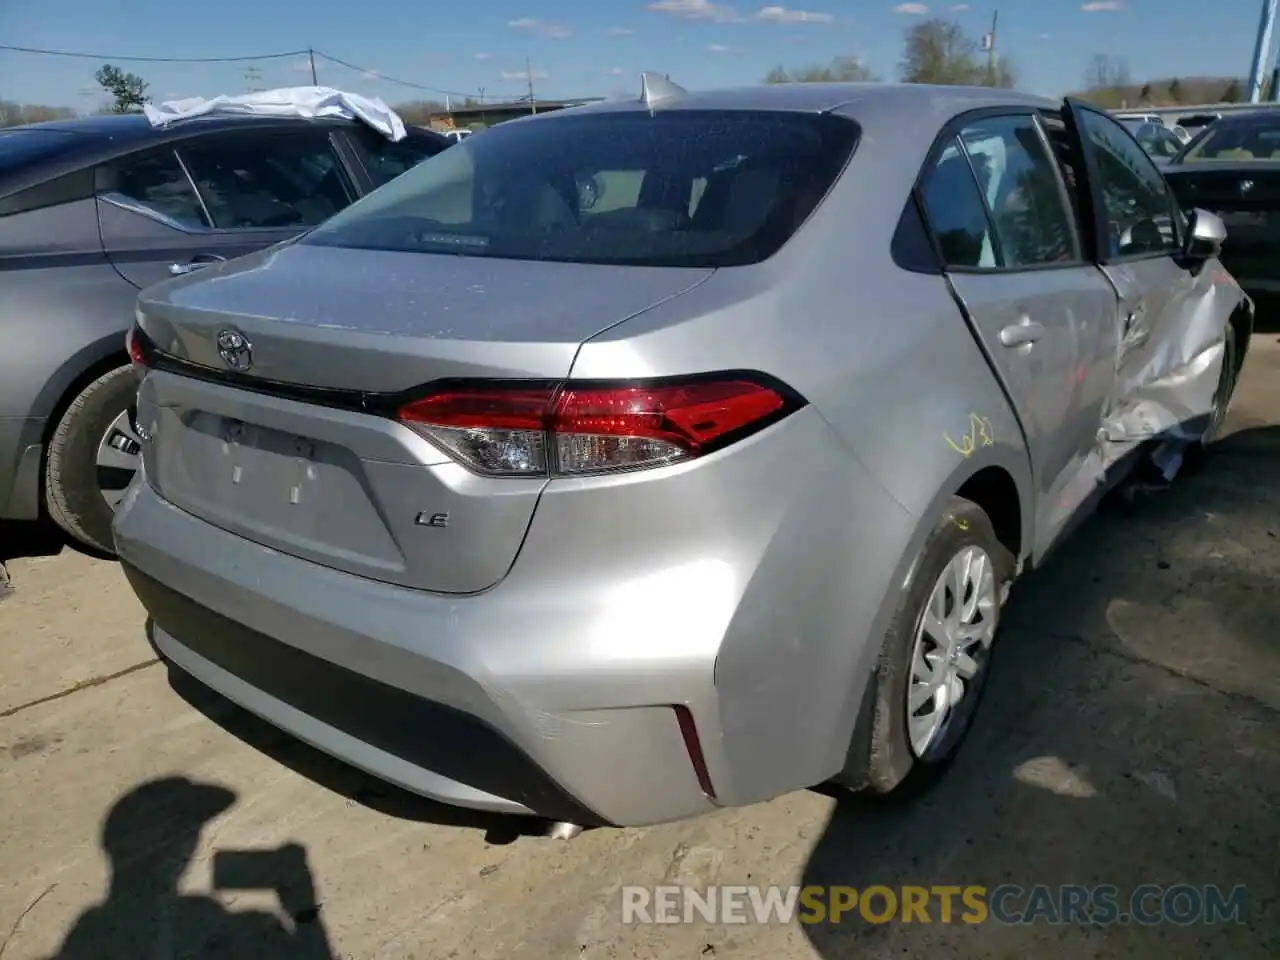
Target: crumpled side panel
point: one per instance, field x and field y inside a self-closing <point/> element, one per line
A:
<point x="1167" y="370"/>
<point x="306" y="102"/>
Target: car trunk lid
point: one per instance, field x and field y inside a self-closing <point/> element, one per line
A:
<point x="300" y="451"/>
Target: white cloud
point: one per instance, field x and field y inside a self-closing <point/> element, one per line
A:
<point x="619" y="31"/>
<point x="717" y="48"/>
<point x="304" y="65"/>
<point x="1043" y="36"/>
<point x="697" y="10"/>
<point x="784" y="15"/>
<point x="521" y="75"/>
<point x="911" y="9"/>
<point x="481" y="56"/>
<point x="371" y="75"/>
<point x="959" y="7"/>
<point x="616" y="72"/>
<point x="552" y="31"/>
<point x="1103" y="6"/>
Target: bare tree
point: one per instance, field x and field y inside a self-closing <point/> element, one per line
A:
<point x="13" y="114"/>
<point x="840" y="70"/>
<point x="1107" y="81"/>
<point x="939" y="51"/>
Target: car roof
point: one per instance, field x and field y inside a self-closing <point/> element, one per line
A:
<point x="97" y="139"/>
<point x="820" y="97"/>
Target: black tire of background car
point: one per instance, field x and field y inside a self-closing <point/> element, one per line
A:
<point x="72" y="496"/>
<point x="1226" y="386"/>
<point x="893" y="769"/>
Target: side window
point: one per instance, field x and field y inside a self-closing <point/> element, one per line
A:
<point x="386" y="160"/>
<point x="1135" y="197"/>
<point x="158" y="182"/>
<point x="1019" y="181"/>
<point x="954" y="208"/>
<point x="289" y="179"/>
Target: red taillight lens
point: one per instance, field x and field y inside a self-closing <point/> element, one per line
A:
<point x="579" y="429"/>
<point x="133" y="344"/>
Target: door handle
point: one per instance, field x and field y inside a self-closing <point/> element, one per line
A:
<point x="1021" y="334"/>
<point x="203" y="260"/>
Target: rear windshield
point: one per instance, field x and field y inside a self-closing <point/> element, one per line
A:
<point x="1252" y="138"/>
<point x="675" y="188"/>
<point x="20" y="148"/>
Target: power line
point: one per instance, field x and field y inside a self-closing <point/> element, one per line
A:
<point x="103" y="57"/>
<point x="382" y="76"/>
<point x="75" y="54"/>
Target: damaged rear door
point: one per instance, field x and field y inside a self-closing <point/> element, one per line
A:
<point x="1173" y="313"/>
<point x="1003" y="219"/>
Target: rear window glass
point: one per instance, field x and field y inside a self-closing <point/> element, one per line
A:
<point x="1257" y="138"/>
<point x="678" y="188"/>
<point x="20" y="148"/>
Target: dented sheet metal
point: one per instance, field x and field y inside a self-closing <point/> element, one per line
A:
<point x="1168" y="365"/>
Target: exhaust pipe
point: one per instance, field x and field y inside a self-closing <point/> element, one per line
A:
<point x="562" y="830"/>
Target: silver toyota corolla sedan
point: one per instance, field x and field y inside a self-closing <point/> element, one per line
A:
<point x="663" y="455"/>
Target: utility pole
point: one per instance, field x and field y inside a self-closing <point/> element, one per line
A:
<point x="482" y="96"/>
<point x="252" y="79"/>
<point x="528" y="69"/>
<point x="311" y="55"/>
<point x="1261" y="52"/>
<point x="989" y="41"/>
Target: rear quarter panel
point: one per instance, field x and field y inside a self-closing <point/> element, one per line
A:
<point x="64" y="308"/>
<point x="64" y="311"/>
<point x="888" y="360"/>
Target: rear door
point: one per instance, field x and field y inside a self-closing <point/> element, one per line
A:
<point x="1138" y="236"/>
<point x="173" y="209"/>
<point x="1005" y="226"/>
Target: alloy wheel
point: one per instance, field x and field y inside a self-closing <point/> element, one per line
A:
<point x="952" y="646"/>
<point x="118" y="458"/>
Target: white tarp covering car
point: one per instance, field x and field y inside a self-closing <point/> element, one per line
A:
<point x="306" y="102"/>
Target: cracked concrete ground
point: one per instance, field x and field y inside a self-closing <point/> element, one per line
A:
<point x="1129" y="736"/>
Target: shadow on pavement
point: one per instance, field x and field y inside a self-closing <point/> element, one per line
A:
<point x="1131" y="735"/>
<point x="341" y="778"/>
<point x="149" y="837"/>
<point x="35" y="539"/>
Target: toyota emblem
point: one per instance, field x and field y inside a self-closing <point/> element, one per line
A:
<point x="236" y="351"/>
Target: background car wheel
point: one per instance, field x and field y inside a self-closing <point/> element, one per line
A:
<point x="1226" y="386"/>
<point x="936" y="655"/>
<point x="92" y="457"/>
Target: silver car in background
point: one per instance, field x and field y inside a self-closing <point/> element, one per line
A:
<point x="657" y="456"/>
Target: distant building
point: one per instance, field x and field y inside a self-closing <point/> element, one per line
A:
<point x="488" y="114"/>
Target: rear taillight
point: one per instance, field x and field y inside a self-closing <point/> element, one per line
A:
<point x="133" y="344"/>
<point x="580" y="429"/>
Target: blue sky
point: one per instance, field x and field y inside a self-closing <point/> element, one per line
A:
<point x="581" y="48"/>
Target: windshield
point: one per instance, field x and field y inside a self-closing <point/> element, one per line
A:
<point x="1243" y="138"/>
<point x="675" y="188"/>
<point x="20" y="147"/>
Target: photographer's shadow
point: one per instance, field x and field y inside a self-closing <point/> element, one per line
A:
<point x="150" y="836"/>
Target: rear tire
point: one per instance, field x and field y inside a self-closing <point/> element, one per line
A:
<point x="87" y="464"/>
<point x="905" y="758"/>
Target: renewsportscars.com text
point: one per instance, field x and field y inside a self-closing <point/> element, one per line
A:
<point x="1102" y="904"/>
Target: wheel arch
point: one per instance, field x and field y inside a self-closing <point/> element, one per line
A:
<point x="999" y="481"/>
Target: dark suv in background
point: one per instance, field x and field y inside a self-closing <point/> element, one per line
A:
<point x="92" y="211"/>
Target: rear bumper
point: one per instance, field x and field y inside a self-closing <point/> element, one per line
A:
<point x="736" y="588"/>
<point x="404" y="685"/>
<point x="20" y="456"/>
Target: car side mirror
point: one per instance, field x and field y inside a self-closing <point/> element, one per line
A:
<point x="1206" y="233"/>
